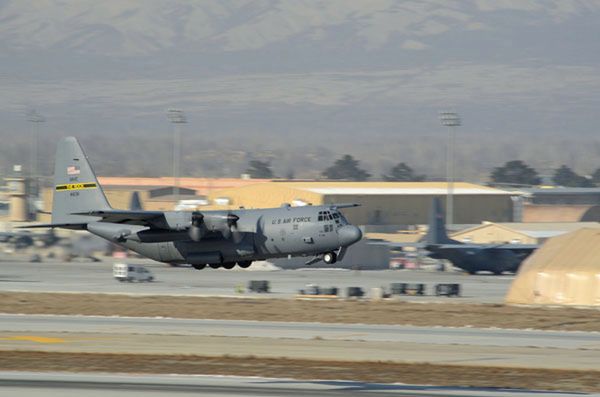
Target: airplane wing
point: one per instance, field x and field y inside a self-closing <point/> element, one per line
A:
<point x="397" y="244"/>
<point x="142" y="218"/>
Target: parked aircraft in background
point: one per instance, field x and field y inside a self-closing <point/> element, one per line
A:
<point x="495" y="258"/>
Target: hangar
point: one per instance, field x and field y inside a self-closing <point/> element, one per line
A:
<point x="383" y="203"/>
<point x="518" y="233"/>
<point x="564" y="271"/>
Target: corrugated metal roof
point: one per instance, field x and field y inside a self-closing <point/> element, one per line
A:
<point x="393" y="188"/>
<point x="532" y="227"/>
<point x="403" y="191"/>
<point x="561" y="190"/>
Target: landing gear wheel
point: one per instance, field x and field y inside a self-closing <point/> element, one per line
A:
<point x="199" y="266"/>
<point x="329" y="257"/>
<point x="229" y="265"/>
<point x="214" y="265"/>
<point x="244" y="264"/>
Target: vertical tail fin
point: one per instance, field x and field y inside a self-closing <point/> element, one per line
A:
<point x="76" y="188"/>
<point x="135" y="204"/>
<point x="436" y="233"/>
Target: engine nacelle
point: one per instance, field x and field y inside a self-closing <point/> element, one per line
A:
<point x="178" y="220"/>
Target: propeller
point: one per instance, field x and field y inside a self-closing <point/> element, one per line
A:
<point x="235" y="233"/>
<point x="230" y="229"/>
<point x="197" y="228"/>
<point x="225" y="224"/>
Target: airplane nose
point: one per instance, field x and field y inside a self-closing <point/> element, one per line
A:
<point x="348" y="235"/>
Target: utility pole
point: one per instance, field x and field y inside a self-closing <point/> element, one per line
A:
<point x="35" y="119"/>
<point x="451" y="120"/>
<point x="176" y="117"/>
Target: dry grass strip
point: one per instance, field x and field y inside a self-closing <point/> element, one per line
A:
<point x="376" y="372"/>
<point x="342" y="311"/>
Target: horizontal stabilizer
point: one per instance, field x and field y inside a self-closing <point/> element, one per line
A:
<point x="74" y="226"/>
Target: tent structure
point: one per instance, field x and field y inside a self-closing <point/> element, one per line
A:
<point x="564" y="271"/>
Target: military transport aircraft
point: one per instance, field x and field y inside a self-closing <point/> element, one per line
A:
<point x="495" y="258"/>
<point x="200" y="238"/>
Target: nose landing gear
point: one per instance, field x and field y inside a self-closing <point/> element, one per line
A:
<point x="330" y="257"/>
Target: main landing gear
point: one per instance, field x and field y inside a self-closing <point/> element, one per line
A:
<point x="226" y="265"/>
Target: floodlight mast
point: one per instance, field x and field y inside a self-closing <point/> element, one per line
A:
<point x="35" y="119"/>
<point x="451" y="120"/>
<point x="176" y="117"/>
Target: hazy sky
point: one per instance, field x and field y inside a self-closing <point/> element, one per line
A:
<point x="271" y="74"/>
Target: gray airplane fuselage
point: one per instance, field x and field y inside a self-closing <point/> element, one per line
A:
<point x="216" y="238"/>
<point x="263" y="234"/>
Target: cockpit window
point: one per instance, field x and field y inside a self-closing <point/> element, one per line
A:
<point x="342" y="219"/>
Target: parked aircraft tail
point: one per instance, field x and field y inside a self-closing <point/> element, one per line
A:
<point x="436" y="233"/>
<point x="135" y="204"/>
<point x="76" y="188"/>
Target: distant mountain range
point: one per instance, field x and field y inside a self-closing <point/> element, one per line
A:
<point x="270" y="75"/>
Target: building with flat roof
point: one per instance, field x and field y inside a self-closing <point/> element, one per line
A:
<point x="519" y="233"/>
<point x="202" y="186"/>
<point x="559" y="204"/>
<point x="382" y="203"/>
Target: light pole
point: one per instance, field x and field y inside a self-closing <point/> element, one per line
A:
<point x="35" y="119"/>
<point x="451" y="120"/>
<point x="176" y="117"/>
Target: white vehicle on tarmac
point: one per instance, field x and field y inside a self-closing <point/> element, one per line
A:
<point x="130" y="273"/>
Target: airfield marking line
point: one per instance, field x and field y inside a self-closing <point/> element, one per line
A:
<point x="34" y="338"/>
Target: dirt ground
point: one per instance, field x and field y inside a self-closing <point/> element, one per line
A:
<point x="339" y="311"/>
<point x="379" y="372"/>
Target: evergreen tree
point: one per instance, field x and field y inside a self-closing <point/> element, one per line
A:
<point x="516" y="172"/>
<point x="346" y="168"/>
<point x="401" y="172"/>
<point x="565" y="176"/>
<point x="259" y="169"/>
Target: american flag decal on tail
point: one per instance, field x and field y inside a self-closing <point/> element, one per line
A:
<point x="73" y="170"/>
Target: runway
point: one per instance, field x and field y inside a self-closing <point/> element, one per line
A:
<point x="97" y="277"/>
<point x="30" y="384"/>
<point x="290" y="330"/>
<point x="348" y="342"/>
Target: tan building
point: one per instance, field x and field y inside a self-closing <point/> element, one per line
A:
<point x="202" y="186"/>
<point x="561" y="213"/>
<point x="156" y="194"/>
<point x="493" y="233"/>
<point x="382" y="203"/>
<point x="153" y="198"/>
<point x="518" y="233"/>
<point x="564" y="271"/>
